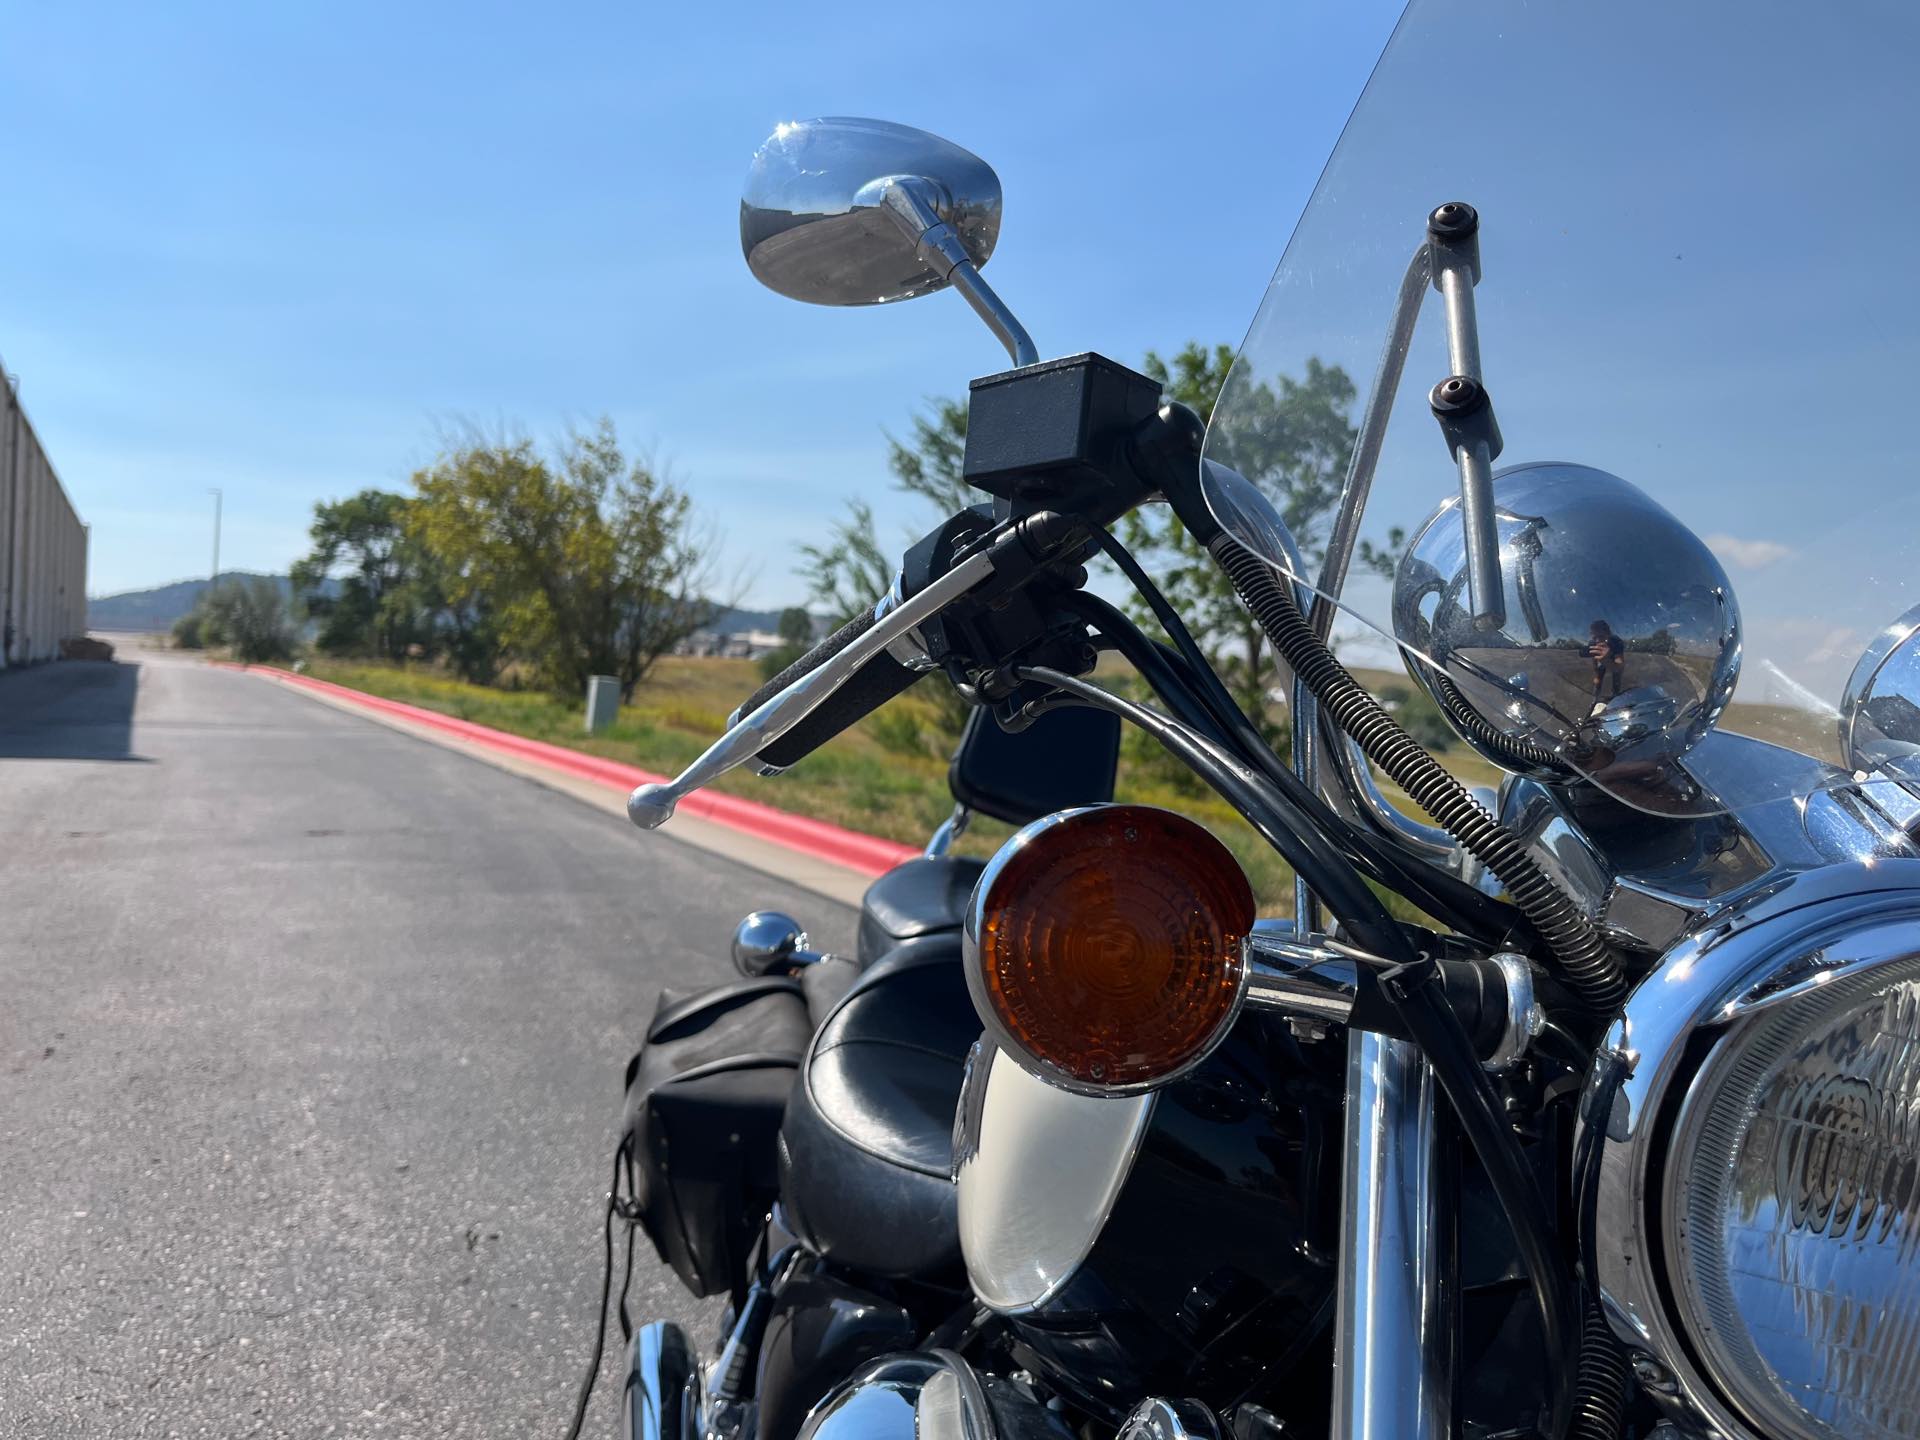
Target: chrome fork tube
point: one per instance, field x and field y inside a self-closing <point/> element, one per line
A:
<point x="1393" y="1369"/>
<point x="1393" y="1361"/>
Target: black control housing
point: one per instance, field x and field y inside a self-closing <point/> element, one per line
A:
<point x="1065" y="447"/>
<point x="1054" y="435"/>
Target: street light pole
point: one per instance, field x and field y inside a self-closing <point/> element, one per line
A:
<point x="214" y="584"/>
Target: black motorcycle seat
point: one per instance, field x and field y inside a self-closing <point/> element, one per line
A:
<point x="867" y="1141"/>
<point x="921" y="897"/>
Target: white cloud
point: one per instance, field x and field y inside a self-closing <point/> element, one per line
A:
<point x="1747" y="554"/>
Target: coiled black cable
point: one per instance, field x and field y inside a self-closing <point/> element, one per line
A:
<point x="1435" y="891"/>
<point x="1600" y="1410"/>
<point x="1585" y="962"/>
<point x="1409" y="987"/>
<point x="1436" y="1029"/>
<point x="1173" y="678"/>
<point x="1518" y="754"/>
<point x="1282" y="826"/>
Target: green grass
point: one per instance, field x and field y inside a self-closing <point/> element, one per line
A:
<point x="886" y="776"/>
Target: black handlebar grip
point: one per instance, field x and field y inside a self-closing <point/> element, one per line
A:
<point x="864" y="692"/>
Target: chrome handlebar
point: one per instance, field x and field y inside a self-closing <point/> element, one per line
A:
<point x="651" y="806"/>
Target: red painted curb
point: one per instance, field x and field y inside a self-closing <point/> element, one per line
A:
<point x="867" y="854"/>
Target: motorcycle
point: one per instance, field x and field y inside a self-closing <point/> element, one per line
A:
<point x="1621" y="1138"/>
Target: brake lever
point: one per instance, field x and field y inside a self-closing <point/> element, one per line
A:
<point x="651" y="806"/>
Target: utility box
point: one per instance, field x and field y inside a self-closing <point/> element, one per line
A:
<point x="1050" y="434"/>
<point x="603" y="702"/>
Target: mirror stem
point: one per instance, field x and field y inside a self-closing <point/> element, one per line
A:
<point x="991" y="308"/>
<point x="909" y="201"/>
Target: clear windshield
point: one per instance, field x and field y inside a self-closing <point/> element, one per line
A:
<point x="1697" y="227"/>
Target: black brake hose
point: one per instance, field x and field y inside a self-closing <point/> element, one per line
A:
<point x="1582" y="1372"/>
<point x="1583" y="957"/>
<point x="1409" y="987"/>
<point x="1170" y="620"/>
<point x="1438" y="893"/>
<point x="1168" y="675"/>
<point x="1436" y="1029"/>
<point x="1279" y="824"/>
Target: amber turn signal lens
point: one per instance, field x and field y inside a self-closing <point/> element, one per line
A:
<point x="1104" y="946"/>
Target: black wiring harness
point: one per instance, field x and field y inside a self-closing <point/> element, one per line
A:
<point x="1215" y="739"/>
<point x="1576" y="945"/>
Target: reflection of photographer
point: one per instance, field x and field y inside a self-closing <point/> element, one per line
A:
<point x="1609" y="655"/>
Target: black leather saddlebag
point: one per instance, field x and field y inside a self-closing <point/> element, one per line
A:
<point x="704" y="1100"/>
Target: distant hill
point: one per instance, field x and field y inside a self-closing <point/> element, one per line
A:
<point x="158" y="608"/>
<point x="729" y="622"/>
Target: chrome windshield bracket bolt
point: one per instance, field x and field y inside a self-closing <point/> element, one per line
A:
<point x="1453" y="231"/>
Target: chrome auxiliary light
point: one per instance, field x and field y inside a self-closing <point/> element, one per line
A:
<point x="1756" y="1227"/>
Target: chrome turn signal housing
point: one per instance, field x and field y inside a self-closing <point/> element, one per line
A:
<point x="1756" y="1197"/>
<point x="1105" y="947"/>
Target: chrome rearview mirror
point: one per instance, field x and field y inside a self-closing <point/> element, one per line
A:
<point x="1880" y="713"/>
<point x="864" y="212"/>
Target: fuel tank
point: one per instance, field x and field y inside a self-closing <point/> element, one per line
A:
<point x="1180" y="1242"/>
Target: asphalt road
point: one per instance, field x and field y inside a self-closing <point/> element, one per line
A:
<point x="311" y="1037"/>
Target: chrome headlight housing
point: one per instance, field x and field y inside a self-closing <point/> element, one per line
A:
<point x="1756" y="1207"/>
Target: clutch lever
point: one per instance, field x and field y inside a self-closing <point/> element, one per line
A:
<point x="651" y="806"/>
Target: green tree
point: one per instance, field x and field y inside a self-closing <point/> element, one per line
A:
<point x="1292" y="438"/>
<point x="248" y="613"/>
<point x="931" y="466"/>
<point x="363" y="578"/>
<point x="587" y="563"/>
<point x="795" y="629"/>
<point x="850" y="573"/>
<point x="457" y="612"/>
<point x="189" y="631"/>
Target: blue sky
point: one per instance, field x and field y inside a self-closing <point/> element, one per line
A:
<point x="282" y="249"/>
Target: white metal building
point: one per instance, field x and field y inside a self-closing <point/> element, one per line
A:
<point x="43" y="546"/>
